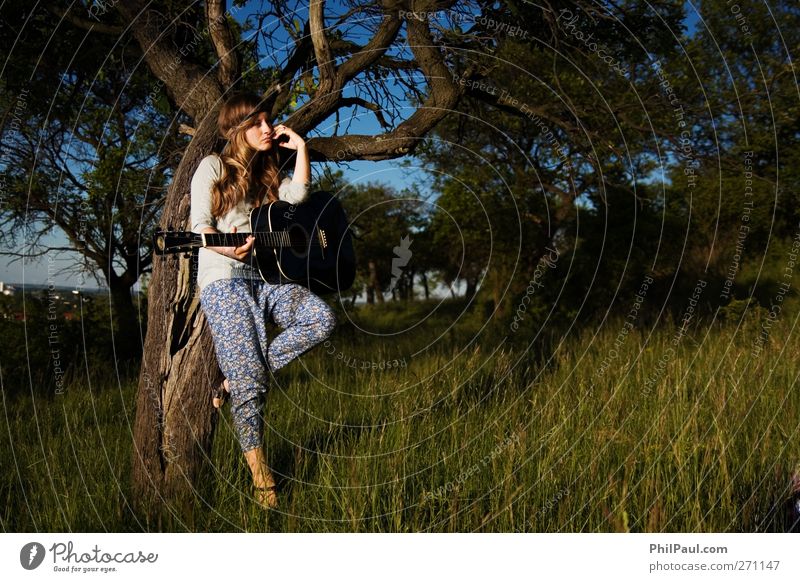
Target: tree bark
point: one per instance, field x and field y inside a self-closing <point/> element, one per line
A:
<point x="175" y="421"/>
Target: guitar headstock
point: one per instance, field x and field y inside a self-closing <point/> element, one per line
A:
<point x="168" y="242"/>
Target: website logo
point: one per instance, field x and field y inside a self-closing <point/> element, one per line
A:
<point x="402" y="254"/>
<point x="31" y="555"/>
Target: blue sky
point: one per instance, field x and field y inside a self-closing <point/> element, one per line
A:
<point x="692" y="18"/>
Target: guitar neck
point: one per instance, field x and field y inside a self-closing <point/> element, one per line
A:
<point x="237" y="239"/>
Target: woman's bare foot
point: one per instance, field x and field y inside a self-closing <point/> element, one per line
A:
<point x="264" y="488"/>
<point x="221" y="395"/>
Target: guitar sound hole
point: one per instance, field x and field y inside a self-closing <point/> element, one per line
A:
<point x="299" y="241"/>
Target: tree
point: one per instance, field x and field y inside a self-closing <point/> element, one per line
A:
<point x="174" y="425"/>
<point x="90" y="154"/>
<point x="743" y="103"/>
<point x="547" y="127"/>
<point x="383" y="228"/>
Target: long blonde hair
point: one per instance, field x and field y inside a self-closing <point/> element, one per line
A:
<point x="247" y="174"/>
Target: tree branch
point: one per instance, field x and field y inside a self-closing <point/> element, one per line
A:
<point x="322" y="52"/>
<point x="340" y="46"/>
<point x="354" y="101"/>
<point x="443" y="95"/>
<point x="32" y="254"/>
<point x="192" y="89"/>
<point x="85" y="23"/>
<point x="327" y="100"/>
<point x="222" y="38"/>
<point x="375" y="48"/>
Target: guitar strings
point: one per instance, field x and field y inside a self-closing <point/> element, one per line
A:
<point x="268" y="239"/>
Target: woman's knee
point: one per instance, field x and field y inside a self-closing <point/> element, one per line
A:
<point x="326" y="323"/>
<point x="317" y="317"/>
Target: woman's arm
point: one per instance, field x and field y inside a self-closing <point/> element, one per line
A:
<point x="200" y="208"/>
<point x="302" y="164"/>
<point x="238" y="253"/>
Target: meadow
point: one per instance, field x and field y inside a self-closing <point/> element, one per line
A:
<point x="453" y="429"/>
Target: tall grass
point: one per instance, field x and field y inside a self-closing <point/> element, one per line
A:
<point x="490" y="438"/>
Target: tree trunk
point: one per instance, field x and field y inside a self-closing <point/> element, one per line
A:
<point x="409" y="288"/>
<point x="497" y="293"/>
<point x="472" y="288"/>
<point x="124" y="319"/>
<point x="425" y="285"/>
<point x="174" y="423"/>
<point x="373" y="281"/>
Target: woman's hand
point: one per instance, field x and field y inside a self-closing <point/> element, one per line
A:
<point x="302" y="165"/>
<point x="241" y="253"/>
<point x="295" y="142"/>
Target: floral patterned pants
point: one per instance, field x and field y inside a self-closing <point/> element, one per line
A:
<point x="237" y="311"/>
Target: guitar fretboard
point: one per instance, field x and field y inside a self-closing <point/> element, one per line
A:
<point x="237" y="239"/>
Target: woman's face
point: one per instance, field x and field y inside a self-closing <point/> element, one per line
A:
<point x="260" y="133"/>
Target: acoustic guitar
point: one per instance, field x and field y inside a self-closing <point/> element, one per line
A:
<point x="307" y="243"/>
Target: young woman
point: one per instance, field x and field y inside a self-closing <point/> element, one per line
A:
<point x="237" y="303"/>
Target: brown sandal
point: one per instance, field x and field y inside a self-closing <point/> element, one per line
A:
<point x="266" y="497"/>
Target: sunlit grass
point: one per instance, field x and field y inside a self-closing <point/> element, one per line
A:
<point x="480" y="439"/>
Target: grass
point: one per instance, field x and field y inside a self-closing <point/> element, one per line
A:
<point x="597" y="434"/>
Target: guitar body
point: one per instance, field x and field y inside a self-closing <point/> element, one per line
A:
<point x="320" y="254"/>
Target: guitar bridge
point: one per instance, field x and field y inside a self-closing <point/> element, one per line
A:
<point x="323" y="239"/>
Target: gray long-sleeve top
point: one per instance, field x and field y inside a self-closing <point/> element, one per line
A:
<point x="211" y="265"/>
